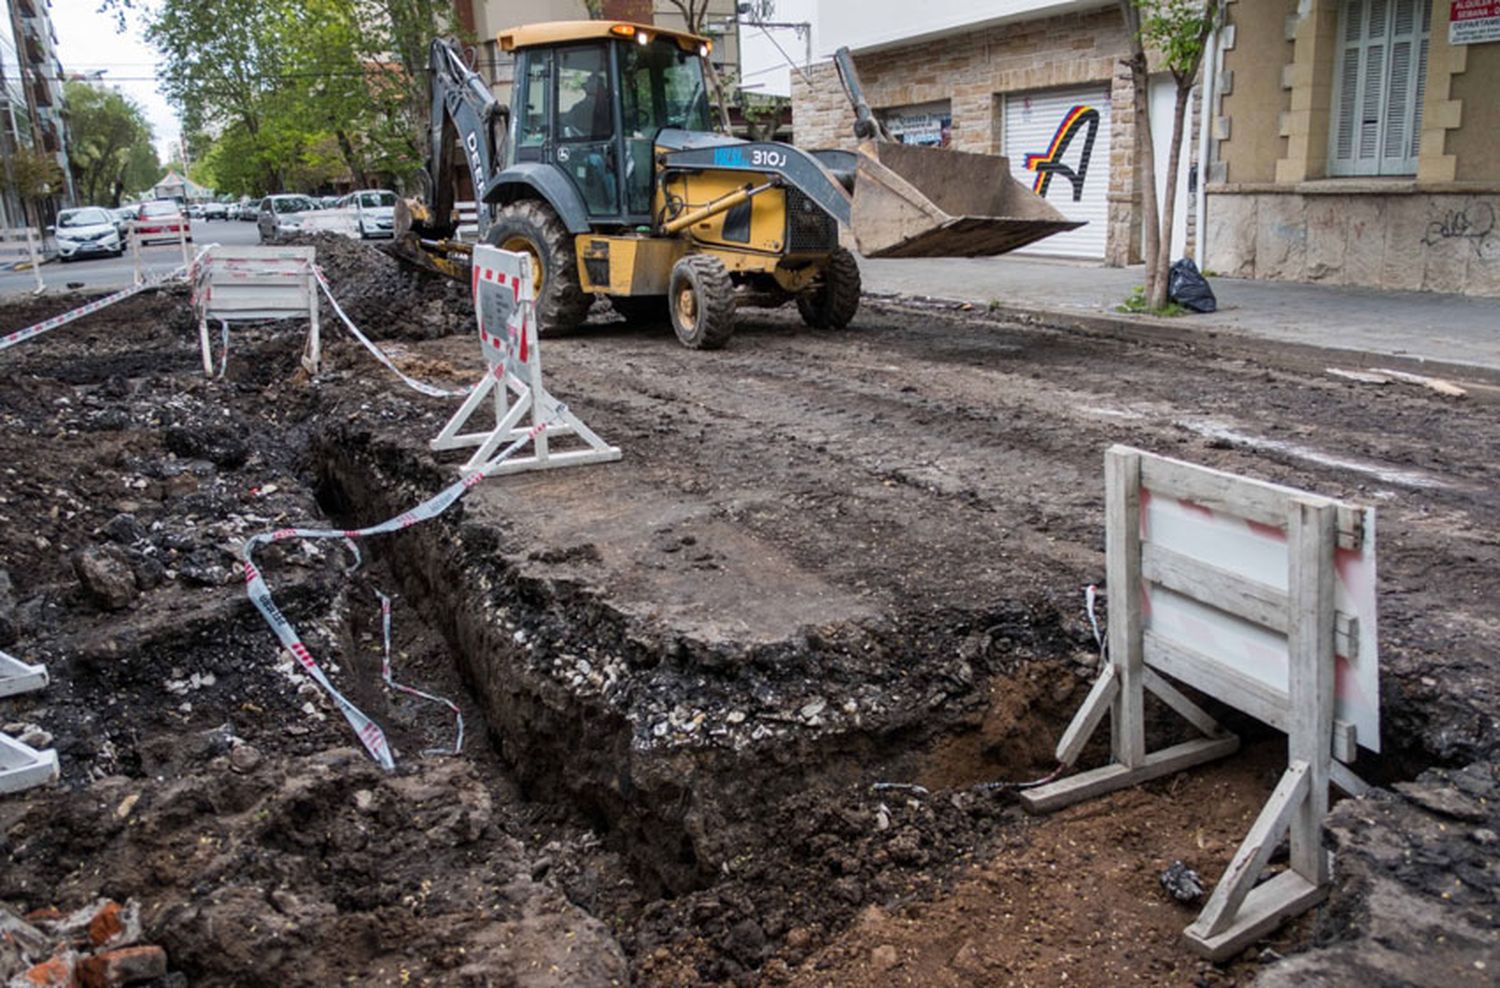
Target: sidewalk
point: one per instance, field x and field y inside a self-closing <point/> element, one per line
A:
<point x="1456" y="330"/>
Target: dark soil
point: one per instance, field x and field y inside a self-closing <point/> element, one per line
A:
<point x="827" y="561"/>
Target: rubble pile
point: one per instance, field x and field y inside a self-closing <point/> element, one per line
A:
<point x="385" y="298"/>
<point x="98" y="946"/>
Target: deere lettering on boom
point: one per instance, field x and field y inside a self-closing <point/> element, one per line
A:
<point x="606" y="170"/>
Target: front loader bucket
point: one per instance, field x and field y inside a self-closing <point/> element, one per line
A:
<point x="928" y="202"/>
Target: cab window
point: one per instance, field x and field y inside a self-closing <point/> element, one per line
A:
<point x="533" y="124"/>
<point x="584" y="110"/>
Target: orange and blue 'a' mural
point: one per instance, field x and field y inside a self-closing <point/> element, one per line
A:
<point x="1050" y="162"/>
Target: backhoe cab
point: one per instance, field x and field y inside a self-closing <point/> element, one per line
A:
<point x="605" y="169"/>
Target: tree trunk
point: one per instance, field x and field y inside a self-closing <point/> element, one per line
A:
<point x="346" y="149"/>
<point x="1145" y="155"/>
<point x="1163" y="261"/>
<point x="718" y="84"/>
<point x="1145" y="171"/>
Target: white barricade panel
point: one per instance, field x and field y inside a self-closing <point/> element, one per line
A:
<point x="251" y="283"/>
<point x="512" y="387"/>
<point x="1180" y="536"/>
<point x="22" y="246"/>
<point x="1262" y="597"/>
<point x="22" y="766"/>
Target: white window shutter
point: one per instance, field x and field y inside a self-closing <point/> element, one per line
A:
<point x="1380" y="80"/>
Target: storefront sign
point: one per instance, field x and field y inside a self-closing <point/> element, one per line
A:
<point x="1472" y="22"/>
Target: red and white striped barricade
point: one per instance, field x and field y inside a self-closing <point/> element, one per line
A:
<point x="504" y="302"/>
<point x="22" y="766"/>
<point x="242" y="284"/>
<point x="1263" y="598"/>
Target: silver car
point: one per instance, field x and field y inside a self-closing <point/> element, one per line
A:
<point x="87" y="232"/>
<point x="278" y="216"/>
<point x="374" y="212"/>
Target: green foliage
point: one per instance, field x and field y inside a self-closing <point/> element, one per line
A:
<point x="1178" y="31"/>
<point x="1137" y="304"/>
<point x="764" y="114"/>
<point x="107" y="134"/>
<point x="31" y="175"/>
<point x="298" y="93"/>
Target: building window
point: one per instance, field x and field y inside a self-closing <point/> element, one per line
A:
<point x="1379" y="81"/>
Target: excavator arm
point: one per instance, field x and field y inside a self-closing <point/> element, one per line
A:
<point x="466" y="118"/>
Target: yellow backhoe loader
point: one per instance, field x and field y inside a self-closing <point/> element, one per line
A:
<point x="606" y="170"/>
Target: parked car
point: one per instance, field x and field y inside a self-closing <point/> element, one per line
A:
<point x="195" y="212"/>
<point x="329" y="202"/>
<point x="250" y="210"/>
<point x="161" y="220"/>
<point x="374" y="212"/>
<point x="215" y="211"/>
<point x="123" y="216"/>
<point x="86" y="232"/>
<point x="278" y="216"/>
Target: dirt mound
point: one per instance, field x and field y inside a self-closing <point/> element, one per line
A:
<point x="385" y="298"/>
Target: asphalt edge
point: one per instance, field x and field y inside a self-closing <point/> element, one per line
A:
<point x="1231" y="342"/>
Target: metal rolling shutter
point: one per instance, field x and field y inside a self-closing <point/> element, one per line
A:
<point x="1038" y="124"/>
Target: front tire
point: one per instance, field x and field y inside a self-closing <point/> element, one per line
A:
<point x="530" y="226"/>
<point x="701" y="301"/>
<point x="835" y="300"/>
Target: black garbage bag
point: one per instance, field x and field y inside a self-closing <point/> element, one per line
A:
<point x="1189" y="289"/>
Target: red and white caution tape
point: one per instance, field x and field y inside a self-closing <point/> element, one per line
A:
<point x="385" y="674"/>
<point x="432" y="391"/>
<point x="73" y="315"/>
<point x="369" y="732"/>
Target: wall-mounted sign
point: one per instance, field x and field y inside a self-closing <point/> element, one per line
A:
<point x="1473" y="22"/>
<point x="927" y="124"/>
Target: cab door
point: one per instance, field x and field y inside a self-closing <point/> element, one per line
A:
<point x="584" y="135"/>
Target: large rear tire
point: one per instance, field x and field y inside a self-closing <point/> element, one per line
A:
<point x="700" y="297"/>
<point x="529" y="226"/>
<point x="834" y="301"/>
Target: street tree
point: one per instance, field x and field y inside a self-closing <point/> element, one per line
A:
<point x="31" y="176"/>
<point x="107" y="132"/>
<point x="1176" y="33"/>
<point x="695" y="16"/>
<point x="300" y="92"/>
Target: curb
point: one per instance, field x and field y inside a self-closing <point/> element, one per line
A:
<point x="1223" y="339"/>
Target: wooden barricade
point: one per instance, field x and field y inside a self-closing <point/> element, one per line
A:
<point x="1262" y="597"/>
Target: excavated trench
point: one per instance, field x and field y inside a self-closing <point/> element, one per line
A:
<point x="682" y="752"/>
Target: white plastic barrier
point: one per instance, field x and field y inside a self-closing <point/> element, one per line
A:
<point x="240" y="284"/>
<point x="22" y="766"/>
<point x="505" y="305"/>
<point x="1262" y="597"/>
<point x="22" y="246"/>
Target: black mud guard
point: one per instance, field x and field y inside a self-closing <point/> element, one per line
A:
<point x="549" y="184"/>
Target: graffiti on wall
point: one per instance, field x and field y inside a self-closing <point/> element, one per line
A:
<point x="1473" y="223"/>
<point x="1050" y="162"/>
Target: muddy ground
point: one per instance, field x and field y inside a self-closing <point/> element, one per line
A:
<point x="826" y="562"/>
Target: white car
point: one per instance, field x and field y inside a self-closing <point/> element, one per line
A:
<point x="87" y="232"/>
<point x="374" y="212"/>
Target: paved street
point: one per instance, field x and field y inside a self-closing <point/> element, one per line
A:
<point x="110" y="272"/>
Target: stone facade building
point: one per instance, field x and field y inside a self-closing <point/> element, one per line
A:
<point x="1359" y="144"/>
<point x="1005" y="87"/>
<point x="1352" y="142"/>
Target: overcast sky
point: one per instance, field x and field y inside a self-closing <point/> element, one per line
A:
<point x="88" y="40"/>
